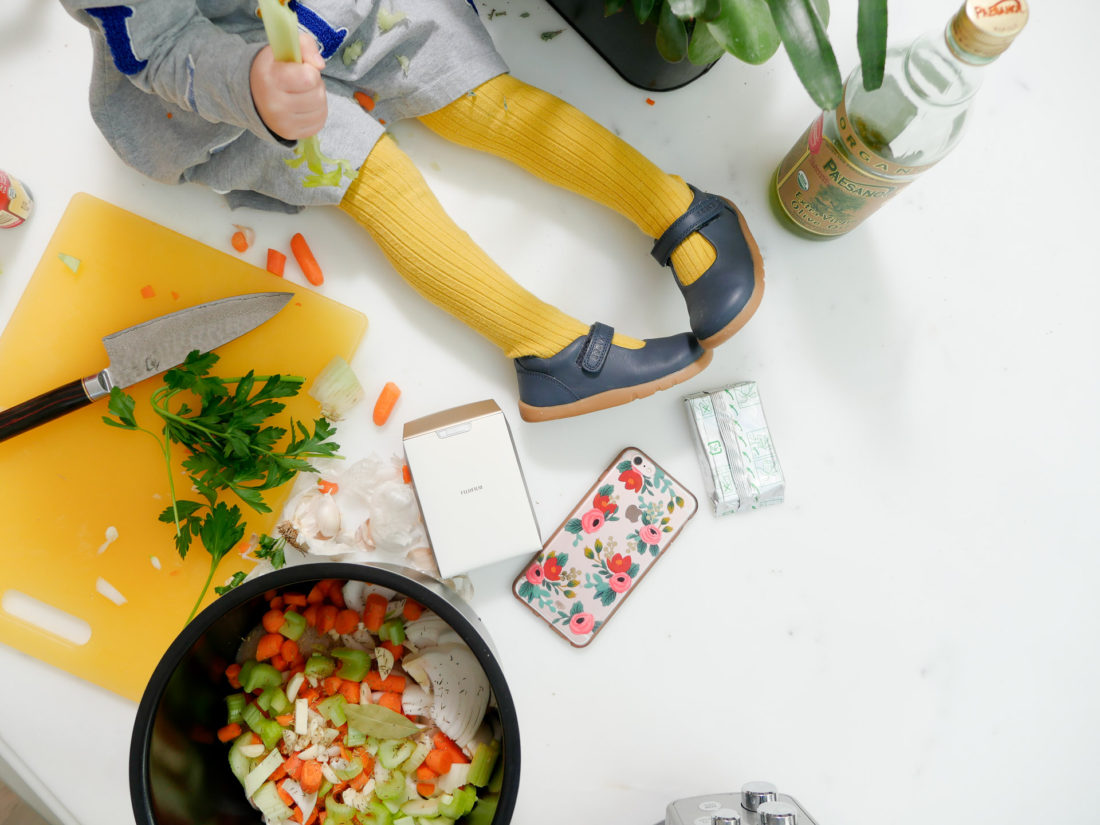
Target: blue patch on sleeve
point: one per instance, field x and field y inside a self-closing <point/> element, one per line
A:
<point x="191" y="84"/>
<point x="474" y="7"/>
<point x="329" y="38"/>
<point x="113" y="21"/>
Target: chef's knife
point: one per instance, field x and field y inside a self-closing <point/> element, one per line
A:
<point x="144" y="350"/>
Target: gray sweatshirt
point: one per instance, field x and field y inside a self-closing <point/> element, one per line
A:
<point x="170" y="85"/>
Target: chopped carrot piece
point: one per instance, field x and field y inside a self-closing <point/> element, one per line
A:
<point x="284" y="794"/>
<point x="397" y="650"/>
<point x="296" y="813"/>
<point x="391" y="701"/>
<point x="394" y="683"/>
<point x="328" y="487"/>
<point x="384" y="405"/>
<point x="285" y="719"/>
<point x="147" y="291"/>
<point x="279" y="662"/>
<point x="276" y="603"/>
<point x="295" y="600"/>
<point x="339" y="788"/>
<point x="331" y="685"/>
<point x="336" y="596"/>
<point x="360" y="780"/>
<point x="312" y="816"/>
<point x="364" y="100"/>
<point x="276" y="262"/>
<point x="425" y="774"/>
<point x="308" y="693"/>
<point x="375" y="611"/>
<point x="270" y="594"/>
<point x="316" y="594"/>
<point x="229" y="732"/>
<point x="311" y="776"/>
<point x="304" y="256"/>
<point x="350" y="691"/>
<point x="406" y="474"/>
<point x="269" y="646"/>
<point x="425" y="789"/>
<point x="346" y="621"/>
<point x="444" y="742"/>
<point x="239" y="241"/>
<point x="439" y="760"/>
<point x="650" y="101"/>
<point x="293" y="765"/>
<point x="273" y="620"/>
<point x="326" y="617"/>
<point x="232" y="673"/>
<point x="412" y="610"/>
<point x="289" y="650"/>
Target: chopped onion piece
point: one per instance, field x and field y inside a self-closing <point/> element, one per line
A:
<point x="337" y="389"/>
<point x="260" y="774"/>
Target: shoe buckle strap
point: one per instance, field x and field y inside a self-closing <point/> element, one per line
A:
<point x="704" y="208"/>
<point x="596" y="347"/>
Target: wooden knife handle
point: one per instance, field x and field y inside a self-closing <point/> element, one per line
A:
<point x="46" y="407"/>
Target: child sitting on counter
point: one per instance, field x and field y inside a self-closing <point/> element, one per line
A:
<point x="189" y="91"/>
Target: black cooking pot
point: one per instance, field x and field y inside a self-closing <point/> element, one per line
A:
<point x="179" y="771"/>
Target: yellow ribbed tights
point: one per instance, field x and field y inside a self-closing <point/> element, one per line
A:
<point x="549" y="138"/>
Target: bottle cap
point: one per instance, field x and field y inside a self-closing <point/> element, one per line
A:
<point x="983" y="29"/>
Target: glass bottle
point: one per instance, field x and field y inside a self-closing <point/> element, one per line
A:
<point x="853" y="159"/>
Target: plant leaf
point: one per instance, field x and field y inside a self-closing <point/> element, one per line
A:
<point x="686" y="9"/>
<point x="375" y="720"/>
<point x="809" y="50"/>
<point x="703" y="49"/>
<point x="611" y="7"/>
<point x="871" y="40"/>
<point x="745" y="29"/>
<point x="121" y="406"/>
<point x="643" y="9"/>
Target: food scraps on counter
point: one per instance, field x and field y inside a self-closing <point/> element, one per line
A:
<point x="385" y="403"/>
<point x="337" y="389"/>
<point x="306" y="261"/>
<point x="231" y="448"/>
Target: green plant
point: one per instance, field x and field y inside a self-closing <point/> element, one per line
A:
<point x="752" y="30"/>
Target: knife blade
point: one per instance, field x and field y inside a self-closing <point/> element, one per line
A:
<point x="148" y="348"/>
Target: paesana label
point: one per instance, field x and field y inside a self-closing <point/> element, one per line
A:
<point x="15" y="202"/>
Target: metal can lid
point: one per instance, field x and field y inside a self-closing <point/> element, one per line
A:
<point x="984" y="28"/>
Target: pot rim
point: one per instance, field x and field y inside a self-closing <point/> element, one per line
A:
<point x="405" y="581"/>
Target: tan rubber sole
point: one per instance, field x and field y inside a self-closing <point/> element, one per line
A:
<point x="742" y="317"/>
<point x="614" y="398"/>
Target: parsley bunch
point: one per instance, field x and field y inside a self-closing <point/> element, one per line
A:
<point x="230" y="445"/>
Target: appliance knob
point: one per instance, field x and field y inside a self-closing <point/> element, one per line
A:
<point x="755" y="794"/>
<point x="778" y="812"/>
<point x="725" y="819"/>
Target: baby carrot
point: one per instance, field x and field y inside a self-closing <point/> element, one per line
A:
<point x="384" y="405"/>
<point x="304" y="256"/>
<point x="375" y="612"/>
<point x="276" y="262"/>
<point x="346" y="621"/>
<point x="229" y="732"/>
<point x="269" y="646"/>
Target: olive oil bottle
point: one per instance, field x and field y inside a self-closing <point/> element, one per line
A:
<point x="853" y="159"/>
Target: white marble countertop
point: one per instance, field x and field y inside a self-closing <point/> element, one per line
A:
<point x="907" y="638"/>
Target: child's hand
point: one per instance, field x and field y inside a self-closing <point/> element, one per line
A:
<point x="290" y="97"/>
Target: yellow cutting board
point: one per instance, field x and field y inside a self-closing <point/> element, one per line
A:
<point x="65" y="483"/>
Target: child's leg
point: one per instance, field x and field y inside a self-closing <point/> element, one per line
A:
<point x="562" y="145"/>
<point x="392" y="201"/>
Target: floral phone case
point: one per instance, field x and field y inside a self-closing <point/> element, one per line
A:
<point x="605" y="546"/>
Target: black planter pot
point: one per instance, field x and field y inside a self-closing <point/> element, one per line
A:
<point x="628" y="46"/>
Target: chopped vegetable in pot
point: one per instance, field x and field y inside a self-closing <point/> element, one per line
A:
<point x="353" y="705"/>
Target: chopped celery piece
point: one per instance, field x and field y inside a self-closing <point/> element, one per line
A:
<point x="355" y="737"/>
<point x="234" y="704"/>
<point x="326" y="786"/>
<point x="461" y="803"/>
<point x="260" y="675"/>
<point x="392" y="631"/>
<point x="271" y="733"/>
<point x="419" y="754"/>
<point x="319" y="666"/>
<point x="392" y="787"/>
<point x="270" y="805"/>
<point x="372" y="744"/>
<point x="405" y="820"/>
<point x="337" y="812"/>
<point x="381" y="813"/>
<point x="294" y="625"/>
<point x="240" y="764"/>
<point x="421" y="807"/>
<point x="352" y="769"/>
<point x="354" y="664"/>
<point x="333" y="708"/>
<point x="253" y="717"/>
<point x="274" y="701"/>
<point x="392" y="752"/>
<point x="481" y="766"/>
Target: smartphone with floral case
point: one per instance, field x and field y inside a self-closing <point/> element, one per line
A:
<point x="605" y="546"/>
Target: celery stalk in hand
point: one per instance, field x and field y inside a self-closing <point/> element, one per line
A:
<point x="281" y="26"/>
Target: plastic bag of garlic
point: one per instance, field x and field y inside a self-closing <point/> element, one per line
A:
<point x="359" y="512"/>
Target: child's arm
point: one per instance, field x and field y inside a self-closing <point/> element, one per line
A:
<point x="167" y="48"/>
